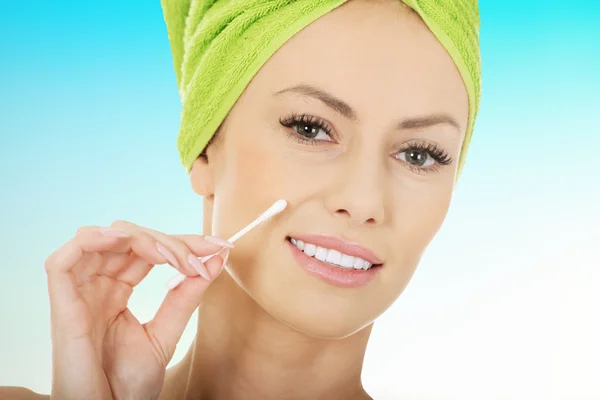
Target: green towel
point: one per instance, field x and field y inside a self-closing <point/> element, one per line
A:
<point x="219" y="45"/>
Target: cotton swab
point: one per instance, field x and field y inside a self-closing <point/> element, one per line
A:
<point x="275" y="209"/>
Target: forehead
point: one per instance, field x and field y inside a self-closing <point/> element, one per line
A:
<point x="371" y="53"/>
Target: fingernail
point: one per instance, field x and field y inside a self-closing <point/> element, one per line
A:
<point x="218" y="241"/>
<point x="168" y="254"/>
<point x="225" y="257"/>
<point x="206" y="258"/>
<point x="175" y="281"/>
<point x="114" y="233"/>
<point x="199" y="267"/>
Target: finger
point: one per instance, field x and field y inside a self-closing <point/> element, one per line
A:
<point x="86" y="269"/>
<point x="150" y="246"/>
<point x="176" y="280"/>
<point x="91" y="262"/>
<point x="132" y="267"/>
<point x="67" y="256"/>
<point x="175" y="249"/>
<point x="62" y="284"/>
<point x="138" y="251"/>
<point x="134" y="272"/>
<point x="172" y="317"/>
<point x="203" y="246"/>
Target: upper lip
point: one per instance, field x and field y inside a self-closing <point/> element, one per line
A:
<point x="341" y="245"/>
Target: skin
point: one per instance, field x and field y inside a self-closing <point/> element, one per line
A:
<point x="267" y="329"/>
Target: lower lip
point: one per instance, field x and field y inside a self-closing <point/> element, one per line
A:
<point x="337" y="276"/>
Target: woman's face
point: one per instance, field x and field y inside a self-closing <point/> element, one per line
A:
<point x="357" y="122"/>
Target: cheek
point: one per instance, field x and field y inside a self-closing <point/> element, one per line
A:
<point x="250" y="175"/>
<point x="418" y="215"/>
<point x="422" y="214"/>
<point x="264" y="174"/>
<point x="253" y="174"/>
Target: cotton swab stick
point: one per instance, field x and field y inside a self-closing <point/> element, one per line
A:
<point x="275" y="209"/>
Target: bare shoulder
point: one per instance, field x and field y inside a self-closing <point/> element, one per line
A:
<point x="20" y="393"/>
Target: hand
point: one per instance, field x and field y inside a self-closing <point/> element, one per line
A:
<point x="99" y="349"/>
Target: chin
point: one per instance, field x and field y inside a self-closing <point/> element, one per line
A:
<point x="304" y="306"/>
<point x="313" y="309"/>
<point x="306" y="302"/>
<point x="319" y="322"/>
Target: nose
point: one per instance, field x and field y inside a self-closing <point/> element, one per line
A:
<point x="359" y="195"/>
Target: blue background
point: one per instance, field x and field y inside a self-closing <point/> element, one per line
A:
<point x="505" y="303"/>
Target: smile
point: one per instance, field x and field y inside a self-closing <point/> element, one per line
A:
<point x="330" y="256"/>
<point x="335" y="261"/>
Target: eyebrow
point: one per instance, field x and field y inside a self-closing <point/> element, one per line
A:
<point x="347" y="111"/>
<point x="329" y="100"/>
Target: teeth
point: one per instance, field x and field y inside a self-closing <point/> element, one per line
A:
<point x="358" y="263"/>
<point x="333" y="257"/>
<point x="347" y="261"/>
<point x="321" y="254"/>
<point x="310" y="249"/>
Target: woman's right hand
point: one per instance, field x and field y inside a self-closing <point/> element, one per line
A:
<point x="99" y="349"/>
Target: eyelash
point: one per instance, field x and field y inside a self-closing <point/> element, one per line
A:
<point x="438" y="154"/>
<point x="305" y="119"/>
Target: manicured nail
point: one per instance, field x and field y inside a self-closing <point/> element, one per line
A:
<point x="114" y="233"/>
<point x="175" y="281"/>
<point x="206" y="258"/>
<point x="168" y="254"/>
<point x="199" y="267"/>
<point x="225" y="257"/>
<point x="218" y="241"/>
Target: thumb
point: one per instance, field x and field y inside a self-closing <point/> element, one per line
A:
<point x="167" y="326"/>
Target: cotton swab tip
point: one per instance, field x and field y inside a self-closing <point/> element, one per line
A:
<point x="277" y="207"/>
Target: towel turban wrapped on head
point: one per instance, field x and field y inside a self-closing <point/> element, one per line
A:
<point x="219" y="45"/>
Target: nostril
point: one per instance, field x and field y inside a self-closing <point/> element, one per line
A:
<point x="347" y="214"/>
<point x="343" y="212"/>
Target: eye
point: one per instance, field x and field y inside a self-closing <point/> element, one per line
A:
<point x="308" y="128"/>
<point x="311" y="131"/>
<point x="423" y="156"/>
<point x="416" y="157"/>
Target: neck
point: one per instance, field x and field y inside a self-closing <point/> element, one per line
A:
<point x="242" y="352"/>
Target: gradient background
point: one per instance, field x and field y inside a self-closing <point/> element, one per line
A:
<point x="505" y="303"/>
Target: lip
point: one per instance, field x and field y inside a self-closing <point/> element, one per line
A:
<point x="343" y="246"/>
<point x="336" y="276"/>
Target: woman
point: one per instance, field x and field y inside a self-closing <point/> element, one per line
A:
<point x="360" y="121"/>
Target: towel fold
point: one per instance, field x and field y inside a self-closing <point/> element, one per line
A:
<point x="219" y="45"/>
